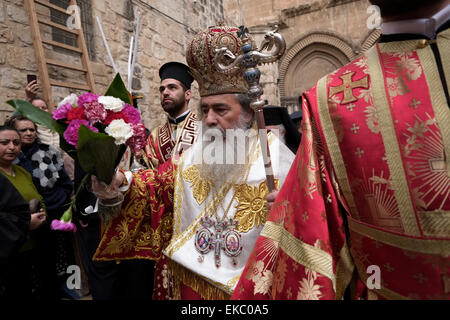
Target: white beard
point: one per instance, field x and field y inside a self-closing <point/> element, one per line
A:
<point x="225" y="157"/>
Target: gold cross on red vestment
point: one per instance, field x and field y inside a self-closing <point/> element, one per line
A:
<point x="347" y="87"/>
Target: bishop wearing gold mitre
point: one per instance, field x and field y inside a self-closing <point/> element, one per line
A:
<point x="203" y="211"/>
<point x="365" y="209"/>
<point x="181" y="129"/>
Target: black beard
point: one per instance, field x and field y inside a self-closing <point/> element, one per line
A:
<point x="173" y="108"/>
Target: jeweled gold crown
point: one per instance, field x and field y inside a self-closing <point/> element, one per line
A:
<point x="200" y="58"/>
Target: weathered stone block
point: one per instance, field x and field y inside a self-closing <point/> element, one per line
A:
<point x="17" y="14"/>
<point x="2" y="14"/>
<point x="21" y="58"/>
<point x="6" y="36"/>
<point x="99" y="5"/>
<point x="12" y="78"/>
<point x="24" y="34"/>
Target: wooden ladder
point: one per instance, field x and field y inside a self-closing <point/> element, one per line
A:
<point x="42" y="62"/>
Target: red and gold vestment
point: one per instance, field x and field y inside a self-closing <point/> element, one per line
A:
<point x="370" y="185"/>
<point x="163" y="217"/>
<point x="171" y="139"/>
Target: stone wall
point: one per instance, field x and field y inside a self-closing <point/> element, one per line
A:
<point x="166" y="26"/>
<point x="16" y="53"/>
<point x="321" y="35"/>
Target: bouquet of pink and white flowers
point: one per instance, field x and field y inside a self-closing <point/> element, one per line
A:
<point x="94" y="129"/>
<point x="105" y="114"/>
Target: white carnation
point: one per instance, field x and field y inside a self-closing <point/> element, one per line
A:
<point x="111" y="103"/>
<point x="120" y="131"/>
<point x="72" y="99"/>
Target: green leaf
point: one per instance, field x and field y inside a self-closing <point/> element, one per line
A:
<point x="67" y="147"/>
<point x="98" y="154"/>
<point x="118" y="89"/>
<point x="37" y="115"/>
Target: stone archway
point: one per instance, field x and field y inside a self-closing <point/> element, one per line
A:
<point x="305" y="62"/>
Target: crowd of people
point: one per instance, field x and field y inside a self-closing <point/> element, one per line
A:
<point x="355" y="184"/>
<point x="37" y="260"/>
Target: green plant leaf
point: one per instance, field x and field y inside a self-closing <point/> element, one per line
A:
<point x="117" y="89"/>
<point x="67" y="147"/>
<point x="37" y="115"/>
<point x="98" y="154"/>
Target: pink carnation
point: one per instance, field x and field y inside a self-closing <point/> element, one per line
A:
<point x="139" y="139"/>
<point x="95" y="112"/>
<point x="62" y="111"/>
<point x="87" y="98"/>
<point x="60" y="225"/>
<point x="132" y="114"/>
<point x="71" y="133"/>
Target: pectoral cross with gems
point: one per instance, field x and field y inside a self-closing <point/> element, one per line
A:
<point x="225" y="238"/>
<point x="347" y="87"/>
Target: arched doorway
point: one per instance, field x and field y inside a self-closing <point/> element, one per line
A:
<point x="309" y="59"/>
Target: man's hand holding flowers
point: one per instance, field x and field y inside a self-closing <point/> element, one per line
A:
<point x="105" y="191"/>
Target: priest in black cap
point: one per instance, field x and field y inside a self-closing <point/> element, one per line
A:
<point x="136" y="276"/>
<point x="171" y="138"/>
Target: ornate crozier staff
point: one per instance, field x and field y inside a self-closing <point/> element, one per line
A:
<point x="249" y="60"/>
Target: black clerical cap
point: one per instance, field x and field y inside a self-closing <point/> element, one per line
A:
<point x="177" y="71"/>
<point x="296" y="116"/>
<point x="276" y="115"/>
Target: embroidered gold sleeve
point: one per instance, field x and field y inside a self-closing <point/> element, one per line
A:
<point x="144" y="227"/>
<point x="200" y="187"/>
<point x="251" y="210"/>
